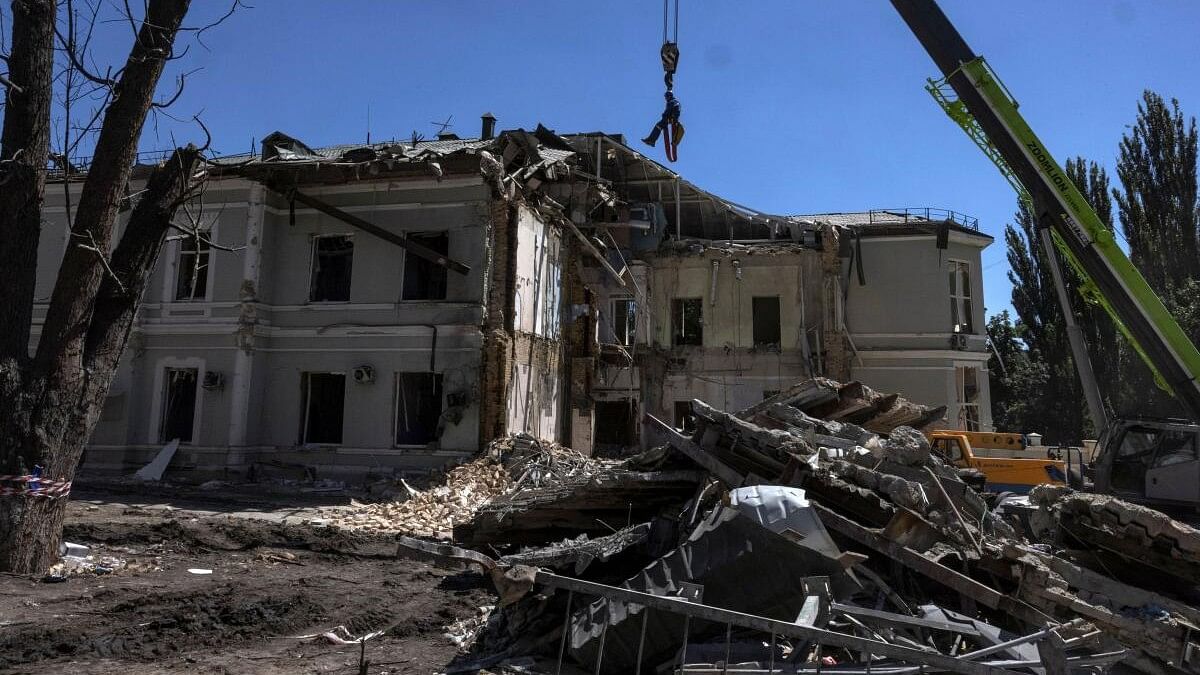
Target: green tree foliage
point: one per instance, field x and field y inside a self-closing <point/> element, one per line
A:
<point x="1056" y="406"/>
<point x="1157" y="200"/>
<point x="1016" y="380"/>
<point x="1157" y="206"/>
<point x="1158" y="212"/>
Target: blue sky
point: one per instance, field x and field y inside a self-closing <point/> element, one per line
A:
<point x="791" y="106"/>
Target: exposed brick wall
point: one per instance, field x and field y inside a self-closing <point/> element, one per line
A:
<point x="580" y="347"/>
<point x="496" y="366"/>
<point x="837" y="354"/>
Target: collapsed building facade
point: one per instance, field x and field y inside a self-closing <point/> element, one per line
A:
<point x="394" y="306"/>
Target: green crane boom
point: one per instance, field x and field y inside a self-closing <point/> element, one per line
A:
<point x="975" y="98"/>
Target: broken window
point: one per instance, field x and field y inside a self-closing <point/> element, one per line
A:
<point x="179" y="405"/>
<point x="967" y="387"/>
<point x="324" y="397"/>
<point x="687" y="321"/>
<point x="191" y="282"/>
<point x="424" y="279"/>
<point x="766" y="321"/>
<point x="960" y="296"/>
<point x="332" y="262"/>
<point x="624" y="320"/>
<point x="685" y="419"/>
<point x="616" y="423"/>
<point x="418" y="407"/>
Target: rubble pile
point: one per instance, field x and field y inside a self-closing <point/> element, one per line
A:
<point x="433" y="512"/>
<point x="510" y="466"/>
<point x="816" y="531"/>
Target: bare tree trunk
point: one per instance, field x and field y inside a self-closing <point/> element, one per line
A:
<point x="60" y="349"/>
<point x="30" y="526"/>
<point x="24" y="153"/>
<point x="49" y="408"/>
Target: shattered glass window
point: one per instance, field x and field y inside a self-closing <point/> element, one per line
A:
<point x="959" y="274"/>
<point x="687" y="322"/>
<point x="332" y="263"/>
<point x="624" y="320"/>
<point x="418" y="407"/>
<point x="324" y="398"/>
<point x="423" y="278"/>
<point x="191" y="282"/>
<point x="967" y="388"/>
<point x="179" y="405"/>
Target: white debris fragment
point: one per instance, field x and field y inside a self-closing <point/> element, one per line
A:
<point x="464" y="631"/>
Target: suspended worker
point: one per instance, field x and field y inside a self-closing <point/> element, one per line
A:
<point x="669" y="125"/>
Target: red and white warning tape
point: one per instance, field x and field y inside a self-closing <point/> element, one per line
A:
<point x="42" y="487"/>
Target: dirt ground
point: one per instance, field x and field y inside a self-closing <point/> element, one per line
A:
<point x="270" y="581"/>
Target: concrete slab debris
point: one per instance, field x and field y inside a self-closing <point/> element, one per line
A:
<point x="799" y="536"/>
<point x="154" y="470"/>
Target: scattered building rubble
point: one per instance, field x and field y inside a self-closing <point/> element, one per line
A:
<point x="428" y="513"/>
<point x="817" y="532"/>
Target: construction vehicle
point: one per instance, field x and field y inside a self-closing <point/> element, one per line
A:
<point x="1154" y="462"/>
<point x="1007" y="472"/>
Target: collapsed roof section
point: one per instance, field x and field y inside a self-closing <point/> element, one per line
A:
<point x="513" y="160"/>
<point x="597" y="179"/>
<point x="691" y="211"/>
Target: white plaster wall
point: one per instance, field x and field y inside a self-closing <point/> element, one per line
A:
<point x="538" y="284"/>
<point x="728" y="313"/>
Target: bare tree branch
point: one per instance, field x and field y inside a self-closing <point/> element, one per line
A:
<point x="94" y="247"/>
<point x="10" y="84"/>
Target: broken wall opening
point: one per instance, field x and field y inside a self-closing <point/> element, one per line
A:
<point x="766" y="321"/>
<point x="687" y="321"/>
<point x="323" y="403"/>
<point x="685" y="420"/>
<point x="332" y="264"/>
<point x="418" y="407"/>
<point x="616" y="424"/>
<point x="179" y="404"/>
<point x="423" y="279"/>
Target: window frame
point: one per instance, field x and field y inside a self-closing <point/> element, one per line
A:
<point x="165" y="405"/>
<point x="305" y="408"/>
<point x="678" y="303"/>
<point x="440" y="382"/>
<point x="778" y="342"/>
<point x="314" y="257"/>
<point x="630" y="322"/>
<point x="203" y="237"/>
<point x="963" y="419"/>
<point x="961" y="297"/>
<point x="410" y="257"/>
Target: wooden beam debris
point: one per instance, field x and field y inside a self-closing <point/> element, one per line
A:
<point x="398" y="239"/>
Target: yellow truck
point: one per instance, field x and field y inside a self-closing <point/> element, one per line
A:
<point x="1003" y="458"/>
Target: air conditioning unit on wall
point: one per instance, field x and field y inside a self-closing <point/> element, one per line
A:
<point x="364" y="374"/>
<point x="213" y="380"/>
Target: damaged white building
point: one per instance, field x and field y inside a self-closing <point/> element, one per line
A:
<point x="392" y="307"/>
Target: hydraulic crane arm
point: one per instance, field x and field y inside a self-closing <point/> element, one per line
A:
<point x="975" y="98"/>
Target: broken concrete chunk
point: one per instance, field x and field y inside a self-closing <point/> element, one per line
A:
<point x="907" y="446"/>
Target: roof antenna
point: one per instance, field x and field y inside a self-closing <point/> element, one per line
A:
<point x="443" y="127"/>
<point x="368" y="122"/>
